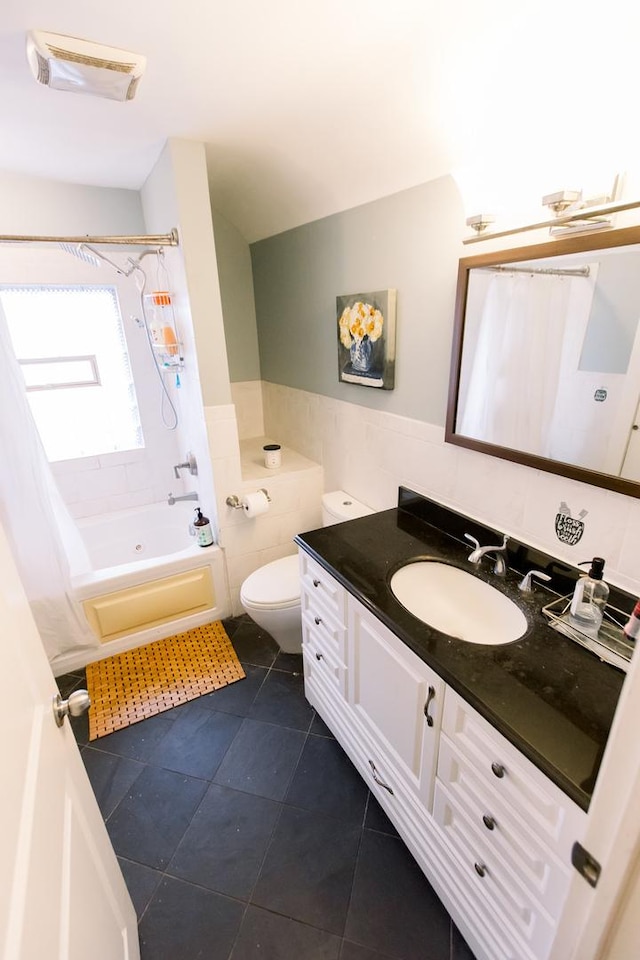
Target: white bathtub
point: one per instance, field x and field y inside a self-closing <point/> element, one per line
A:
<point x="145" y="558"/>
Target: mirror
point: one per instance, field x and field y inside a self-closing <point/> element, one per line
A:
<point x="545" y="367"/>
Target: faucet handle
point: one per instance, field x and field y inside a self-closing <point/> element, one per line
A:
<point x="476" y="543"/>
<point x="525" y="584"/>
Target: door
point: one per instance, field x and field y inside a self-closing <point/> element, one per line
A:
<point x="397" y="698"/>
<point x="62" y="894"/>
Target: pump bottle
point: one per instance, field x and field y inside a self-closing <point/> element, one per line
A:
<point x="203" y="529"/>
<point x="589" y="598"/>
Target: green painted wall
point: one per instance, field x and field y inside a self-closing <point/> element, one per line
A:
<point x="410" y="241"/>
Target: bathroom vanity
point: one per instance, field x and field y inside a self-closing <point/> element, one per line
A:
<point x="484" y="757"/>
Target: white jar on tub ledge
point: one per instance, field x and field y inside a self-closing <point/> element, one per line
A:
<point x="272" y="456"/>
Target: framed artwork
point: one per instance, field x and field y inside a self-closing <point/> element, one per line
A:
<point x="367" y="338"/>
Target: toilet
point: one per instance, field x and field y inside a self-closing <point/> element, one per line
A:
<point x="271" y="594"/>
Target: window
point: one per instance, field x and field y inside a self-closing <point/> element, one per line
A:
<point x="70" y="344"/>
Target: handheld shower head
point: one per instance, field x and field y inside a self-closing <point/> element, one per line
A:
<point x="82" y="252"/>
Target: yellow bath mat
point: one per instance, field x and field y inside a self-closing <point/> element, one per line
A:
<point x="137" y="684"/>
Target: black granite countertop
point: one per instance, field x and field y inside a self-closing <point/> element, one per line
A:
<point x="550" y="697"/>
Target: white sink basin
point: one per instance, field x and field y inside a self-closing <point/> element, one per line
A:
<point x="457" y="603"/>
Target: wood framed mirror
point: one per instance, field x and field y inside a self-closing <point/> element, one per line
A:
<point x="545" y="367"/>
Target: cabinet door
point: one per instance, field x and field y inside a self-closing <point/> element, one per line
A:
<point x="397" y="698"/>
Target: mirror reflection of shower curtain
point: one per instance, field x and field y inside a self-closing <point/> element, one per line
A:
<point x="510" y="389"/>
<point x="44" y="538"/>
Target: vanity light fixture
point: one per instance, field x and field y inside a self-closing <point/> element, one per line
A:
<point x="480" y="222"/>
<point x="562" y="200"/>
<point x="572" y="215"/>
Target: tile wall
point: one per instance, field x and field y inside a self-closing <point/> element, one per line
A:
<point x="295" y="490"/>
<point x="370" y="453"/>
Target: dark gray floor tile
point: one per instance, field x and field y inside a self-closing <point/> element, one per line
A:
<point x="281" y="700"/>
<point x="271" y="937"/>
<point x="376" y="818"/>
<point x="459" y="947"/>
<point x="185" y="922"/>
<point x="141" y="882"/>
<point x="225" y="844"/>
<point x="137" y="741"/>
<point x="261" y="759"/>
<point x="289" y="662"/>
<point x="80" y="727"/>
<point x="196" y="742"/>
<point x="326" y="781"/>
<point x="69" y="682"/>
<point x="353" y="951"/>
<point x="252" y="644"/>
<point x="319" y="727"/>
<point x="393" y="908"/>
<point x="150" y="821"/>
<point x="308" y="871"/>
<point x="236" y="698"/>
<point x="110" y="776"/>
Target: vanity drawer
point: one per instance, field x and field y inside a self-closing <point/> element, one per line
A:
<point x="499" y="886"/>
<point x="503" y="830"/>
<point x="327" y="636"/>
<point x="320" y="665"/>
<point x="515" y="781"/>
<point x="320" y="590"/>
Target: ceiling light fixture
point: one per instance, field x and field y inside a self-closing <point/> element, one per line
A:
<point x="80" y="66"/>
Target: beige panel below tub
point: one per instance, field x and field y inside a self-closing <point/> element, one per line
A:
<point x="149" y="604"/>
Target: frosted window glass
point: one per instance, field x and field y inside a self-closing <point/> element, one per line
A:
<point x="47" y="322"/>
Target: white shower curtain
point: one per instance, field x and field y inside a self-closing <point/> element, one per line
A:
<point x="45" y="540"/>
<point x="511" y="388"/>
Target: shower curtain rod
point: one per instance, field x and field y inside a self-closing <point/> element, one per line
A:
<point x="150" y="240"/>
<point x="577" y="272"/>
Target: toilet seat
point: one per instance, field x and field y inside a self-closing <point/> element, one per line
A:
<point x="274" y="586"/>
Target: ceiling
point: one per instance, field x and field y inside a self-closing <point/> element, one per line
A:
<point x="307" y="107"/>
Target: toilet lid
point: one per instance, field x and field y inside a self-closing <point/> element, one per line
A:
<point x="275" y="584"/>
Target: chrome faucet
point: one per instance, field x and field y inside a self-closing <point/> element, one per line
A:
<point x="187" y="496"/>
<point x="476" y="555"/>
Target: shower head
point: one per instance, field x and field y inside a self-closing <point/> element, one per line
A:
<point x="90" y="255"/>
<point x="82" y="252"/>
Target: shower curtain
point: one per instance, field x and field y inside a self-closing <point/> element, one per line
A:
<point x="511" y="387"/>
<point x="45" y="540"/>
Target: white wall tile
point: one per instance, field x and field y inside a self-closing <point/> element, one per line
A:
<point x="370" y="453"/>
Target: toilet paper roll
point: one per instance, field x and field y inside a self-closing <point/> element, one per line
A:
<point x="255" y="504"/>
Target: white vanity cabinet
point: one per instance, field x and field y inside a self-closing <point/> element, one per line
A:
<point x="491" y="832"/>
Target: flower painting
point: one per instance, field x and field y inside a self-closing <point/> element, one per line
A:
<point x="366" y="338"/>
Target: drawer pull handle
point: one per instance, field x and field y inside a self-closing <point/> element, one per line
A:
<point x="317" y="621"/>
<point x="480" y="869"/>
<point x="489" y="822"/>
<point x="430" y="697"/>
<point x="498" y="770"/>
<point x="377" y="779"/>
<point x="319" y="656"/>
<point x="316" y="583"/>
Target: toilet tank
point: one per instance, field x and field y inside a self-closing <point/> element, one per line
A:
<point x="338" y="506"/>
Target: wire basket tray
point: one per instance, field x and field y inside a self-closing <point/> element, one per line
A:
<point x="610" y="643"/>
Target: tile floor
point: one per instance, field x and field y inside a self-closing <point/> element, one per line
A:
<point x="243" y="831"/>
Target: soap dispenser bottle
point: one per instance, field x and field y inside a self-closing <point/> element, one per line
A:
<point x="203" y="529"/>
<point x="590" y="598"/>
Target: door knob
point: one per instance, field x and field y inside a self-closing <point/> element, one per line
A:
<point x="77" y="704"/>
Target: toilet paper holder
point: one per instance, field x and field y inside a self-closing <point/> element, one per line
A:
<point x="236" y="501"/>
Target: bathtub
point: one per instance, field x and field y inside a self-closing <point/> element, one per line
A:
<point x="150" y="579"/>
